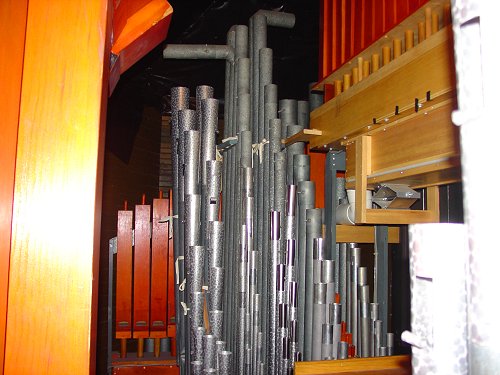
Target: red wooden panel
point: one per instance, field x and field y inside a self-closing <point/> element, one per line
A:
<point x="141" y="271"/>
<point x="378" y="19"/>
<point x="362" y="6"/>
<point x="159" y="259"/>
<point x="343" y="33"/>
<point x="124" y="275"/>
<point x="337" y="29"/>
<point x="353" y="25"/>
<point x="328" y="92"/>
<point x="326" y="25"/>
<point x="171" y="270"/>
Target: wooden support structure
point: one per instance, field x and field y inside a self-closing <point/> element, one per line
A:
<point x="394" y="365"/>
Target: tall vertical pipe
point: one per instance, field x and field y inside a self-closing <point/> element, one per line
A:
<point x="313" y="230"/>
<point x="301" y="168"/>
<point x="179" y="100"/>
<point x="272" y="288"/>
<point x="306" y="199"/>
<point x="303" y="113"/>
<point x="288" y="112"/>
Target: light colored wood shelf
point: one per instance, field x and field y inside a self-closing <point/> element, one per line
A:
<point x="304" y="135"/>
<point x="394" y="365"/>
<point x="363" y="234"/>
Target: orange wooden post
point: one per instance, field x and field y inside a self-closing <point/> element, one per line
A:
<point x="142" y="258"/>
<point x="12" y="36"/>
<point x="124" y="278"/>
<point x="54" y="258"/>
<point x="159" y="259"/>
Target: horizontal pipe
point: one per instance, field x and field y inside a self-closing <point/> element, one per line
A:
<point x="198" y="51"/>
<point x="278" y="19"/>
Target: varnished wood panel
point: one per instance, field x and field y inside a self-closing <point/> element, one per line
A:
<point x="54" y="249"/>
<point x="159" y="258"/>
<point x="12" y="35"/>
<point x="142" y="266"/>
<point x="123" y="311"/>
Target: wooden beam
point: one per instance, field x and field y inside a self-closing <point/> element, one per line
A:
<point x="51" y="321"/>
<point x="304" y="135"/>
<point x="13" y="16"/>
<point x="363" y="234"/>
<point x="393" y="365"/>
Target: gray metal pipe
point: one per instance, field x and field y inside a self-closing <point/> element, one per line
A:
<point x="280" y="194"/>
<point x="355" y="261"/>
<point x="315" y="98"/>
<point x="216" y="319"/>
<point x="209" y="351"/>
<point x="343" y="279"/>
<point x="179" y="100"/>
<point x="318" y="319"/>
<point x="336" y="321"/>
<point x="303" y="113"/>
<point x="225" y="363"/>
<point x="288" y="112"/>
<point x="313" y="230"/>
<point x="197" y="348"/>
<point x="272" y="289"/>
<point x="327" y="341"/>
<point x="216" y="288"/>
<point x="301" y="168"/>
<point x="296" y="148"/>
<point x="318" y="256"/>
<point x="198" y="51"/>
<point x="306" y="199"/>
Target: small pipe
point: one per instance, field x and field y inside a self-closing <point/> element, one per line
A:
<point x="216" y="319"/>
<point x="327" y="341"/>
<point x="225" y="363"/>
<point x="335" y="320"/>
<point x="318" y="257"/>
<point x="197" y="348"/>
<point x="301" y="168"/>
<point x="319" y="319"/>
<point x="198" y="51"/>
<point x="296" y="148"/>
<point x="216" y="288"/>
<point x="209" y="351"/>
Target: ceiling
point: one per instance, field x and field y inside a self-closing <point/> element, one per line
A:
<point x="148" y="82"/>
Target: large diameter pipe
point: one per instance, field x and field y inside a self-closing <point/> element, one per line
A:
<point x="296" y="148"/>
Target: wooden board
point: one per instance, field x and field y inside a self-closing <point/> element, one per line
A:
<point x="123" y="311"/>
<point x="394" y="365"/>
<point x="426" y="67"/>
<point x="363" y="234"/>
<point x="142" y="257"/>
<point x="53" y="278"/>
<point x="13" y="15"/>
<point x="159" y="263"/>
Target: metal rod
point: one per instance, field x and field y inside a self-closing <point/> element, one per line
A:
<point x="355" y="261"/>
<point x="335" y="319"/>
<point x="327" y="341"/>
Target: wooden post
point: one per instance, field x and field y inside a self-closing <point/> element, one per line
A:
<point x="54" y="258"/>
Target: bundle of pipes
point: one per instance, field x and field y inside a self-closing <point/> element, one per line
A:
<point x="271" y="288"/>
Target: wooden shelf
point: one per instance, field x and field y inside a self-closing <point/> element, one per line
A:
<point x="304" y="135"/>
<point x="394" y="365"/>
<point x="363" y="234"/>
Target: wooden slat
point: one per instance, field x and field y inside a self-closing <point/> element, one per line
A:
<point x="399" y="216"/>
<point x="171" y="273"/>
<point x="142" y="258"/>
<point x="426" y="67"/>
<point x="12" y="36"/>
<point x="124" y="275"/>
<point x="159" y="263"/>
<point x="394" y="365"/>
<point x="363" y="168"/>
<point x="363" y="234"/>
<point x="53" y="279"/>
<point x="305" y="135"/>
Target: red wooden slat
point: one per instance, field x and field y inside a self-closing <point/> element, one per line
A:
<point x="159" y="260"/>
<point x="124" y="276"/>
<point x="141" y="271"/>
<point x="171" y="271"/>
<point x="353" y="26"/>
<point x="336" y="49"/>
<point x="343" y="33"/>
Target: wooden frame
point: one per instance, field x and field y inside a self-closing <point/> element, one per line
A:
<point x="364" y="107"/>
